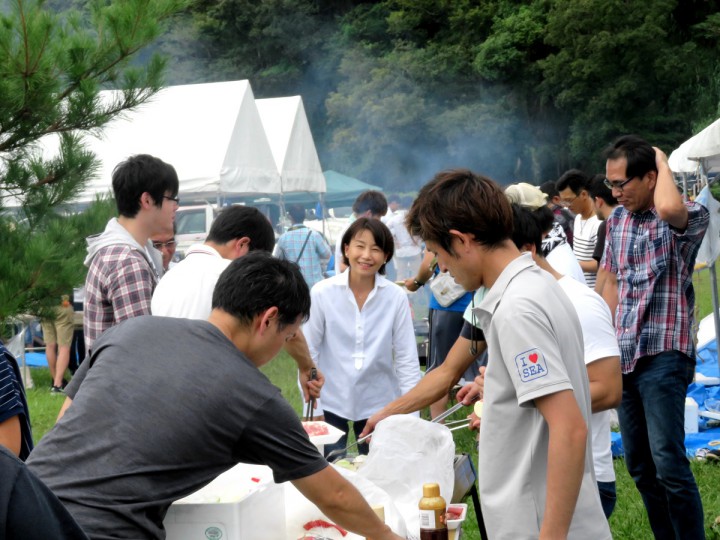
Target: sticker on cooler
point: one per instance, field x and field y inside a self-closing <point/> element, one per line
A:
<point x="531" y="365"/>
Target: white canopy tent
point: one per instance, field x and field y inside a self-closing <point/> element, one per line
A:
<point x="679" y="162"/>
<point x="705" y="148"/>
<point x="214" y="137"/>
<point x="292" y="145"/>
<point x="211" y="133"/>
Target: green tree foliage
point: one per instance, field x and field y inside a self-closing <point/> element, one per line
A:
<point x="640" y="72"/>
<point x="52" y="66"/>
<point x="518" y="89"/>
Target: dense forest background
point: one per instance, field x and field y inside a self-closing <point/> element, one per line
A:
<point x="519" y="90"/>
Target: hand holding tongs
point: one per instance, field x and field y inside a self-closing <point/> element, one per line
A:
<point x="459" y="405"/>
<point x="337" y="455"/>
<point x="309" y="411"/>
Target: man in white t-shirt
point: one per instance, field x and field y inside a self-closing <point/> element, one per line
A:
<point x="187" y="291"/>
<point x="574" y="194"/>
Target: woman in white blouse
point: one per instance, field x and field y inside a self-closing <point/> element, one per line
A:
<point x="360" y="333"/>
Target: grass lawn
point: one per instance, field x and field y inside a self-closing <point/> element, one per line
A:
<point x="629" y="520"/>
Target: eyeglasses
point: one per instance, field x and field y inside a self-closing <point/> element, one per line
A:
<point x="176" y="200"/>
<point x="160" y="245"/>
<point x="565" y="202"/>
<point x="618" y="184"/>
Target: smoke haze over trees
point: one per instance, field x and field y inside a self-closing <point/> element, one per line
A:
<point x="519" y="90"/>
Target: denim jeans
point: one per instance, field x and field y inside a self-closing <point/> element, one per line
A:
<point x="608" y="497"/>
<point x="652" y="414"/>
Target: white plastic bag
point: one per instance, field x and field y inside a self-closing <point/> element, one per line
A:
<point x="445" y="289"/>
<point x="405" y="453"/>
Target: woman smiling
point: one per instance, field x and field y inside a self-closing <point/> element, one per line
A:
<point x="360" y="332"/>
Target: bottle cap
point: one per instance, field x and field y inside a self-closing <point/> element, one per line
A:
<point x="431" y="490"/>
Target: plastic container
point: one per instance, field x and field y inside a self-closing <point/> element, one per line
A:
<point x="691" y="415"/>
<point x="333" y="435"/>
<point x="454" y="509"/>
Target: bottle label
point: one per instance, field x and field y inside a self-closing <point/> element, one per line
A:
<point x="427" y="519"/>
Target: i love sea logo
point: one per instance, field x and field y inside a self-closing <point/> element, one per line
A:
<point x="531" y="365"/>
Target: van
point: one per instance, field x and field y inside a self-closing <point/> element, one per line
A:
<point x="192" y="225"/>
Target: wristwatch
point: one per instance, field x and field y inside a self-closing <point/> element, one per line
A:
<point x="417" y="283"/>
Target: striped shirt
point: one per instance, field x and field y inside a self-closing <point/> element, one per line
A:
<point x="119" y="285"/>
<point x="12" y="399"/>
<point x="653" y="263"/>
<point x="584" y="240"/>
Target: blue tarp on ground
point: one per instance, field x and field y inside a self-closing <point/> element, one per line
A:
<point x="706" y="365"/>
<point x="35" y="359"/>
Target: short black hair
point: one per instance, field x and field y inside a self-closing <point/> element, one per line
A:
<point x="243" y="221"/>
<point x="297" y="213"/>
<point x="549" y="189"/>
<point x="639" y="153"/>
<point x="258" y="281"/>
<point x="140" y="174"/>
<point x="526" y="228"/>
<point x="371" y="200"/>
<point x="381" y="234"/>
<point x="599" y="189"/>
<point x="574" y="179"/>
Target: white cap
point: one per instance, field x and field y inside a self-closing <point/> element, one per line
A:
<point x="526" y="195"/>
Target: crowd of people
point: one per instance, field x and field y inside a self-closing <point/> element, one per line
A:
<point x="562" y="302"/>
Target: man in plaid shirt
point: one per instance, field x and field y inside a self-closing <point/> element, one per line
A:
<point x="652" y="241"/>
<point x="123" y="266"/>
<point x="303" y="246"/>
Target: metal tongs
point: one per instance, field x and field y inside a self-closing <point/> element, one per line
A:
<point x="310" y="409"/>
<point x="459" y="405"/>
<point x="340" y="452"/>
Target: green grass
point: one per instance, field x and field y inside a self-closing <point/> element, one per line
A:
<point x="629" y="521"/>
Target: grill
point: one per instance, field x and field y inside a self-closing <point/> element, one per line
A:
<point x="465" y="477"/>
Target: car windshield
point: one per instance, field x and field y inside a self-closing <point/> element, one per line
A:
<point x="190" y="221"/>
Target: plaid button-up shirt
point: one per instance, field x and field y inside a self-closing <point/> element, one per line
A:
<point x="119" y="285"/>
<point x="310" y="259"/>
<point x="653" y="263"/>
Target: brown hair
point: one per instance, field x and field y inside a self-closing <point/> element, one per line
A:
<point x="462" y="200"/>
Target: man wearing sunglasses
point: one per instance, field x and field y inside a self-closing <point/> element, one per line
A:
<point x="651" y="244"/>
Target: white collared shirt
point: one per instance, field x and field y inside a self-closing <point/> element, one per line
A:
<point x="369" y="356"/>
<point x="186" y="290"/>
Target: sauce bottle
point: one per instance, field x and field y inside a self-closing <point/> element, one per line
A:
<point x="433" y="525"/>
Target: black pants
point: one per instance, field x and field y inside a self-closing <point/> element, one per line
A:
<point x="343" y="425"/>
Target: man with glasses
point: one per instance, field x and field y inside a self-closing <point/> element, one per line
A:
<point x="165" y="244"/>
<point x="574" y="194"/>
<point x="650" y="249"/>
<point x="123" y="266"/>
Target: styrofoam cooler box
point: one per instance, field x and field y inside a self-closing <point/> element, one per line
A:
<point x="243" y="503"/>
